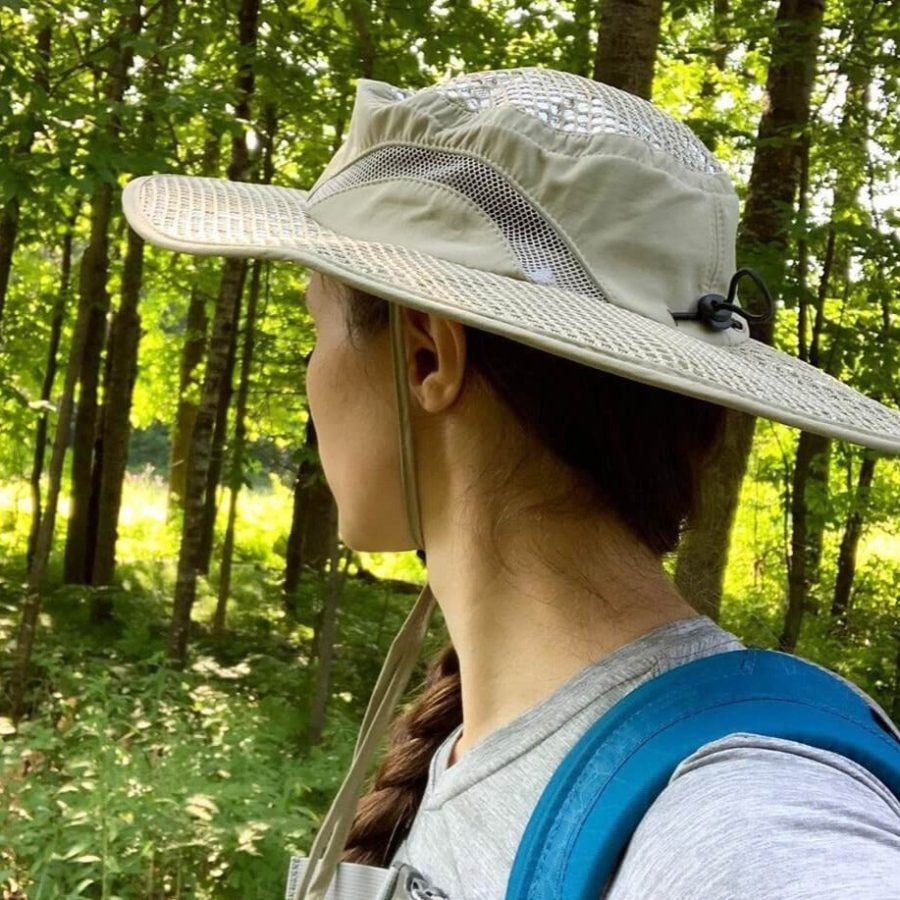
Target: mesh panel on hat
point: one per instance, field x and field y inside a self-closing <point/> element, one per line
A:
<point x="569" y="103"/>
<point x="541" y="253"/>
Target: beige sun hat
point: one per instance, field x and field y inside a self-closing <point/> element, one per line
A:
<point x="546" y="207"/>
<point x="539" y="205"/>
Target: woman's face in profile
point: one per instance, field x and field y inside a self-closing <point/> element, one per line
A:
<point x="349" y="385"/>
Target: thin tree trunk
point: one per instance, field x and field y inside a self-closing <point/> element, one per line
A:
<point x="846" y="570"/>
<point x="774" y="178"/>
<point x="40" y="437"/>
<point x="580" y="59"/>
<point x="293" y="554"/>
<point x="9" y="215"/>
<point x="201" y="446"/>
<point x="192" y="353"/>
<point x="240" y="431"/>
<point x="627" y="39"/>
<point x="123" y="353"/>
<point x="366" y="48"/>
<point x="237" y="463"/>
<point x="217" y="448"/>
<point x="808" y="446"/>
<point x="799" y="569"/>
<point x="38" y="569"/>
<point x="313" y="522"/>
<point x="223" y="327"/>
<point x="722" y="41"/>
<point x="325" y="638"/>
<point x="94" y="296"/>
<point x="813" y="453"/>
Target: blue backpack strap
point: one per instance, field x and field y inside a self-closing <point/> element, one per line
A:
<point x="598" y="795"/>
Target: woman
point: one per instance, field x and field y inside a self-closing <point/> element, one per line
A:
<point x="531" y="277"/>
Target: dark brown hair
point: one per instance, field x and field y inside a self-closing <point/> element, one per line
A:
<point x="636" y="451"/>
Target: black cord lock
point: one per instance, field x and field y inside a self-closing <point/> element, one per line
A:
<point x="716" y="310"/>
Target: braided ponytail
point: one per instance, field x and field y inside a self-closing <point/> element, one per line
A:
<point x="385" y="814"/>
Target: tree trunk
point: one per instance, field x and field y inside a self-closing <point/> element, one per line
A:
<point x="580" y="59"/>
<point x="722" y="40"/>
<point x="627" y="39"/>
<point x="799" y="569"/>
<point x="814" y="451"/>
<point x="325" y="639"/>
<point x="240" y="431"/>
<point x="846" y="571"/>
<point x="313" y="523"/>
<point x="123" y="353"/>
<point x="223" y="327"/>
<point x="192" y="354"/>
<point x="762" y="243"/>
<point x="199" y="454"/>
<point x="9" y="215"/>
<point x="700" y="573"/>
<point x="94" y="297"/>
<point x="40" y="437"/>
<point x="808" y="446"/>
<point x="293" y="554"/>
<point x="37" y="571"/>
<point x="217" y="448"/>
<point x="237" y="460"/>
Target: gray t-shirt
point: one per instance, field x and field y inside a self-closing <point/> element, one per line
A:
<point x="743" y="817"/>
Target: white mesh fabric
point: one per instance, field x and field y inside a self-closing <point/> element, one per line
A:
<point x="541" y="253"/>
<point x="208" y="215"/>
<point x="570" y="103"/>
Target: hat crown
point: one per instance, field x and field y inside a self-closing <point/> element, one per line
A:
<point x="575" y="105"/>
<point x="541" y="176"/>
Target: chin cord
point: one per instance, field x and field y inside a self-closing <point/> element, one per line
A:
<point x="327" y="848"/>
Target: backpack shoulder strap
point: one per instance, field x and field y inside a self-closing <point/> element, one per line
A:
<point x="604" y="786"/>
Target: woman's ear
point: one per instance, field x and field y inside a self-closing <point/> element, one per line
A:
<point x="436" y="358"/>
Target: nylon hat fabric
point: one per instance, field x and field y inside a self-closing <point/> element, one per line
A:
<point x="540" y="205"/>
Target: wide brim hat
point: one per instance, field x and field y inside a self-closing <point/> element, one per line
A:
<point x="545" y="207"/>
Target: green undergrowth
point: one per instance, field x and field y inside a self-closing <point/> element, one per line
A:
<point x="131" y="779"/>
<point x="128" y="778"/>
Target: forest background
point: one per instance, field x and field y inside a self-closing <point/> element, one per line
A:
<point x="186" y="645"/>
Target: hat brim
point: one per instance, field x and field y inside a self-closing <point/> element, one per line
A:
<point x="212" y="216"/>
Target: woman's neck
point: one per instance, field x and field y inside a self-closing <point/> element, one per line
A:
<point x="571" y="594"/>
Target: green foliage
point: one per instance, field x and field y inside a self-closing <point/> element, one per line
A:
<point x="131" y="779"/>
<point x="136" y="781"/>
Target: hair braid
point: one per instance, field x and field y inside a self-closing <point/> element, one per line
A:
<point x="385" y="814"/>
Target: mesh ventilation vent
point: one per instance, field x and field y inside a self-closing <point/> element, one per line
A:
<point x="570" y="103"/>
<point x="541" y="253"/>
